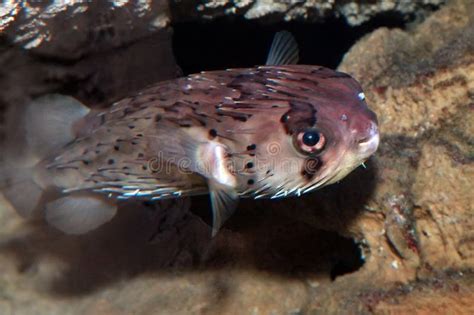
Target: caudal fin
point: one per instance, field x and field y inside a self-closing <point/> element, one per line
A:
<point x="33" y="132"/>
<point x="20" y="189"/>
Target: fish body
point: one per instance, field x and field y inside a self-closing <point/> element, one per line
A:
<point x="269" y="131"/>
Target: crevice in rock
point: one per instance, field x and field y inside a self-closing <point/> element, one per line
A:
<point x="236" y="42"/>
<point x="351" y="260"/>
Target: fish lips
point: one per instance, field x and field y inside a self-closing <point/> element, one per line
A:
<point x="369" y="144"/>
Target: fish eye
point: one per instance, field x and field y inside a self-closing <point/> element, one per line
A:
<point x="310" y="141"/>
<point x="311" y="138"/>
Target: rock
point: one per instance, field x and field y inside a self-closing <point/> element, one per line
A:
<point x="413" y="79"/>
<point x="422" y="88"/>
<point x="444" y="209"/>
<point x="450" y="293"/>
<point x="391" y="238"/>
<point x="355" y="12"/>
<point x="420" y="82"/>
<point x="69" y="30"/>
<point x="93" y="72"/>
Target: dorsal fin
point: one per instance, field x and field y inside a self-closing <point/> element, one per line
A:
<point x="284" y="50"/>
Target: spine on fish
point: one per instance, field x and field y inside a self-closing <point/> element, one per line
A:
<point x="37" y="131"/>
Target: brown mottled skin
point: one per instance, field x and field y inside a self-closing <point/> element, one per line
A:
<point x="255" y="113"/>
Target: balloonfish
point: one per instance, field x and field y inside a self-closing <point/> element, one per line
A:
<point x="270" y="131"/>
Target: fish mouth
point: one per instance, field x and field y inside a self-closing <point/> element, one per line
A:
<point x="368" y="146"/>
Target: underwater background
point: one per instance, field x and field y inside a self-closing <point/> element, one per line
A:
<point x="395" y="237"/>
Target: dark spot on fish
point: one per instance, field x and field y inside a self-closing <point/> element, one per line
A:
<point x="172" y="109"/>
<point x="240" y="118"/>
<point x="234" y="115"/>
<point x="251" y="147"/>
<point x="134" y="142"/>
<point x="158" y="118"/>
<point x="250" y="182"/>
<point x="249" y="165"/>
<point x="337" y="74"/>
<point x="131" y="126"/>
<point x="144" y="167"/>
<point x="140" y="155"/>
<point x="116" y="147"/>
<point x="125" y="168"/>
<point x="300" y="116"/>
<point x="310" y="167"/>
<point x="139" y="135"/>
<point x="85" y="162"/>
<point x="111" y="161"/>
<point x="318" y="69"/>
<point x="274" y="106"/>
<point x="212" y="133"/>
<point x="201" y="121"/>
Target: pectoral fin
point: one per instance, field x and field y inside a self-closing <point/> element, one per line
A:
<point x="79" y="214"/>
<point x="207" y="158"/>
<point x="224" y="201"/>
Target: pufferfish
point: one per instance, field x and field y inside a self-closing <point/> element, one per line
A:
<point x="270" y="131"/>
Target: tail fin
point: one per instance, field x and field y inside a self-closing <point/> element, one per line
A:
<point x="34" y="132"/>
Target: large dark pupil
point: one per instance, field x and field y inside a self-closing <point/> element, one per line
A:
<point x="310" y="138"/>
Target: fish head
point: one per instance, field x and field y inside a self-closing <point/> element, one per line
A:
<point x="325" y="132"/>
